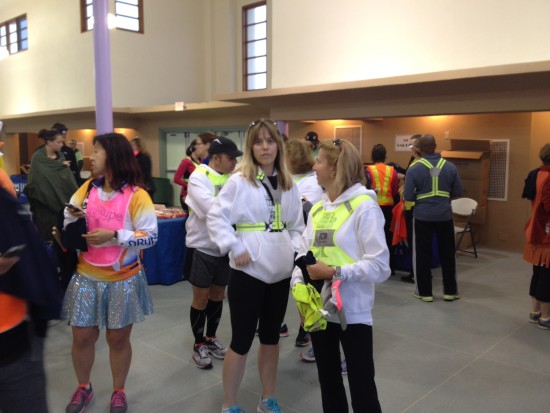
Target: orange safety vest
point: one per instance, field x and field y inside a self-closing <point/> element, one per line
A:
<point x="381" y="183"/>
<point x="13" y="311"/>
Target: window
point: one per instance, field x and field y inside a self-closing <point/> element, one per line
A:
<point x="14" y="35"/>
<point x="86" y="15"/>
<point x="128" y="15"/>
<point x="255" y="46"/>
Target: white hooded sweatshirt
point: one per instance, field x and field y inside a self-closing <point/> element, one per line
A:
<point x="361" y="237"/>
<point x="271" y="253"/>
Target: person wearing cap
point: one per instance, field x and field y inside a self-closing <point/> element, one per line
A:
<point x="68" y="152"/>
<point x="313" y="140"/>
<point x="210" y="268"/>
<point x="257" y="218"/>
<point x="431" y="182"/>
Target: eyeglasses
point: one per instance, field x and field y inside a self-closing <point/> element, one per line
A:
<point x="258" y="121"/>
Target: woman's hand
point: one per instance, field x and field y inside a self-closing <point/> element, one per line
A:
<point x="320" y="271"/>
<point x="242" y="259"/>
<point x="67" y="163"/>
<point x="99" y="236"/>
<point x="76" y="213"/>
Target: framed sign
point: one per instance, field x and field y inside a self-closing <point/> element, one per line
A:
<point x="402" y="142"/>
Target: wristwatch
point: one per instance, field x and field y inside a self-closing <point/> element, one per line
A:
<point x="337" y="272"/>
<point x="115" y="236"/>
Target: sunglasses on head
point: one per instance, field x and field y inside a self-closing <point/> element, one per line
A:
<point x="258" y="121"/>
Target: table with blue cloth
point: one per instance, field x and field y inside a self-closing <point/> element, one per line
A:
<point x="164" y="261"/>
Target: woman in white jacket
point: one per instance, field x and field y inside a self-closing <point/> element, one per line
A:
<point x="257" y="219"/>
<point x="345" y="232"/>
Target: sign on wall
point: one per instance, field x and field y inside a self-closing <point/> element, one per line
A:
<point x="402" y="142"/>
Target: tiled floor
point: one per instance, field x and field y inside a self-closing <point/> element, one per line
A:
<point x="478" y="354"/>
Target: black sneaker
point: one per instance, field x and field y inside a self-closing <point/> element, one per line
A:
<point x="283" y="332"/>
<point x="303" y="338"/>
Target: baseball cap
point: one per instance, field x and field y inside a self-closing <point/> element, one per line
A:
<point x="223" y="145"/>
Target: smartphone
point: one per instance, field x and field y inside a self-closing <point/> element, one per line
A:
<point x="73" y="207"/>
<point x="13" y="251"/>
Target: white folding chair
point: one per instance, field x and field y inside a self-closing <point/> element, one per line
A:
<point x="465" y="207"/>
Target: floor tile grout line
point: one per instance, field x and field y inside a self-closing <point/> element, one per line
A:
<point x="460" y="370"/>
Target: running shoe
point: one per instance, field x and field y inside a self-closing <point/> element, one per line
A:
<point x="269" y="405"/>
<point x="534" y="317"/>
<point x="200" y="355"/>
<point x="303" y="338"/>
<point x="215" y="348"/>
<point x="425" y="298"/>
<point x="451" y="297"/>
<point x="119" y="404"/>
<point x="79" y="401"/>
<point x="233" y="409"/>
<point x="544" y="324"/>
<point x="308" y="356"/>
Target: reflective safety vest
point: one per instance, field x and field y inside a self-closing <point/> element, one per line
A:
<point x="277" y="225"/>
<point x="218" y="180"/>
<point x="326" y="225"/>
<point x="381" y="182"/>
<point x="434" y="173"/>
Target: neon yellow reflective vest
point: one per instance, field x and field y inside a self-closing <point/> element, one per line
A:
<point x="218" y="181"/>
<point x="434" y="173"/>
<point x="277" y="225"/>
<point x="381" y="183"/>
<point x="326" y="225"/>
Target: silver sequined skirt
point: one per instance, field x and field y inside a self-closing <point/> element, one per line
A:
<point x="113" y="305"/>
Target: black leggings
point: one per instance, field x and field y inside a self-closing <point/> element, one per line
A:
<point x="357" y="345"/>
<point x="254" y="303"/>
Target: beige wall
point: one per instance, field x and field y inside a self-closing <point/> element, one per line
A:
<point x="191" y="50"/>
<point x="325" y="41"/>
<point x="56" y="71"/>
<point x="187" y="52"/>
<point x="505" y="220"/>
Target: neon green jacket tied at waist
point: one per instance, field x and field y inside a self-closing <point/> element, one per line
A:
<point x="310" y="305"/>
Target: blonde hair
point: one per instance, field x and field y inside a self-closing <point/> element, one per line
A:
<point x="299" y="157"/>
<point x="249" y="165"/>
<point x="349" y="168"/>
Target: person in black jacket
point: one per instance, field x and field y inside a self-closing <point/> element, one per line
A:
<point x="68" y="152"/>
<point x="29" y="297"/>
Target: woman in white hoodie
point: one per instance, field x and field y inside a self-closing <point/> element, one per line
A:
<point x="257" y="219"/>
<point x="345" y="232"/>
